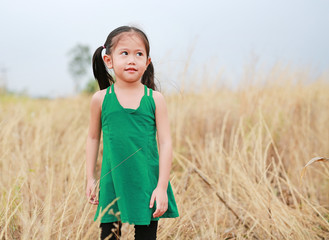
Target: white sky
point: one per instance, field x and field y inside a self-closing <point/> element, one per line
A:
<point x="37" y="35"/>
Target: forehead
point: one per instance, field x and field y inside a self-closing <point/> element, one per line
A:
<point x="129" y="40"/>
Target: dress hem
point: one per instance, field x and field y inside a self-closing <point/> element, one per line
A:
<point x="139" y="222"/>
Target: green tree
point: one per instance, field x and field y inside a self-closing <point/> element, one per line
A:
<point x="79" y="64"/>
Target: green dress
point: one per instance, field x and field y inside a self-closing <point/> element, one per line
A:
<point x="130" y="164"/>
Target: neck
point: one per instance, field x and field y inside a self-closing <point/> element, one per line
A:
<point x="128" y="86"/>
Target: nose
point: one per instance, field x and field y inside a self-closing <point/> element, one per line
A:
<point x="131" y="59"/>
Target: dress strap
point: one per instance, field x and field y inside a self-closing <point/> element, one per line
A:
<point x="145" y="90"/>
<point x="150" y="91"/>
<point x="112" y="88"/>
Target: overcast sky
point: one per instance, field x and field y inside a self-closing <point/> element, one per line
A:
<point x="221" y="35"/>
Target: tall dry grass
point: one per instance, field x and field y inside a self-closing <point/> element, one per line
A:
<point x="238" y="156"/>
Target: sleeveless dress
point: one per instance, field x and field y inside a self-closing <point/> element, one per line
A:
<point x="130" y="164"/>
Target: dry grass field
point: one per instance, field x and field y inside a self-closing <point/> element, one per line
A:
<point x="238" y="156"/>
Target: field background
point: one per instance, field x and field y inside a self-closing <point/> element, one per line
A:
<point x="238" y="156"/>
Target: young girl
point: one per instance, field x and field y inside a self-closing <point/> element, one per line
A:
<point x="134" y="183"/>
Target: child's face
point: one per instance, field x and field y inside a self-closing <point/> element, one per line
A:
<point x="128" y="58"/>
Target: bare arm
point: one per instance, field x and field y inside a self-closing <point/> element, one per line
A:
<point x="92" y="145"/>
<point x="165" y="156"/>
<point x="164" y="139"/>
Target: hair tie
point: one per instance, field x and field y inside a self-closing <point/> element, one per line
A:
<point x="103" y="46"/>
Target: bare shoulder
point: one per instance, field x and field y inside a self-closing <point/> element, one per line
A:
<point x="159" y="100"/>
<point x="157" y="96"/>
<point x="97" y="98"/>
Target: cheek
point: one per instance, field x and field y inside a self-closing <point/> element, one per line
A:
<point x="117" y="62"/>
<point x="145" y="63"/>
<point x="146" y="66"/>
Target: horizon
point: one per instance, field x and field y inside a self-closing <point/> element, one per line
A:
<point x="211" y="37"/>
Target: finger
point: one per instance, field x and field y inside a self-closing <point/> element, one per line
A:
<point x="92" y="198"/>
<point x="93" y="201"/>
<point x="152" y="200"/>
<point x="90" y="195"/>
<point x="157" y="212"/>
<point x="163" y="210"/>
<point x="165" y="207"/>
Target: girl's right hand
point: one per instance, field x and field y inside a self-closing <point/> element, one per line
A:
<point x="91" y="191"/>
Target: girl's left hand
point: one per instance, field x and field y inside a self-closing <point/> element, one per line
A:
<point x="160" y="195"/>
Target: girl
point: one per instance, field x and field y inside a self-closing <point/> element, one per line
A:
<point x="134" y="183"/>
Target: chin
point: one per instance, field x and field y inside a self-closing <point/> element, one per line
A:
<point x="133" y="80"/>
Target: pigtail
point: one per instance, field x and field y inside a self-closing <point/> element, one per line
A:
<point x="101" y="74"/>
<point x="148" y="77"/>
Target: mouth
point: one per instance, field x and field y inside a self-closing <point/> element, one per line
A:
<point x="131" y="69"/>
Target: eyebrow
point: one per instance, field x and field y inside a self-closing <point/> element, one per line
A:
<point x="137" y="50"/>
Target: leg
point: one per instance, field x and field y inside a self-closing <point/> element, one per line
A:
<point x="113" y="228"/>
<point x="146" y="232"/>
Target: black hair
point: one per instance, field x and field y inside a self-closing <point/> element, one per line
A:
<point x="101" y="74"/>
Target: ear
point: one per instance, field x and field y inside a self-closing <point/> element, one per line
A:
<point x="148" y="61"/>
<point x="108" y="61"/>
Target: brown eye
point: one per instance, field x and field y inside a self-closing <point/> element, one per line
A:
<point x="139" y="54"/>
<point x="124" y="53"/>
